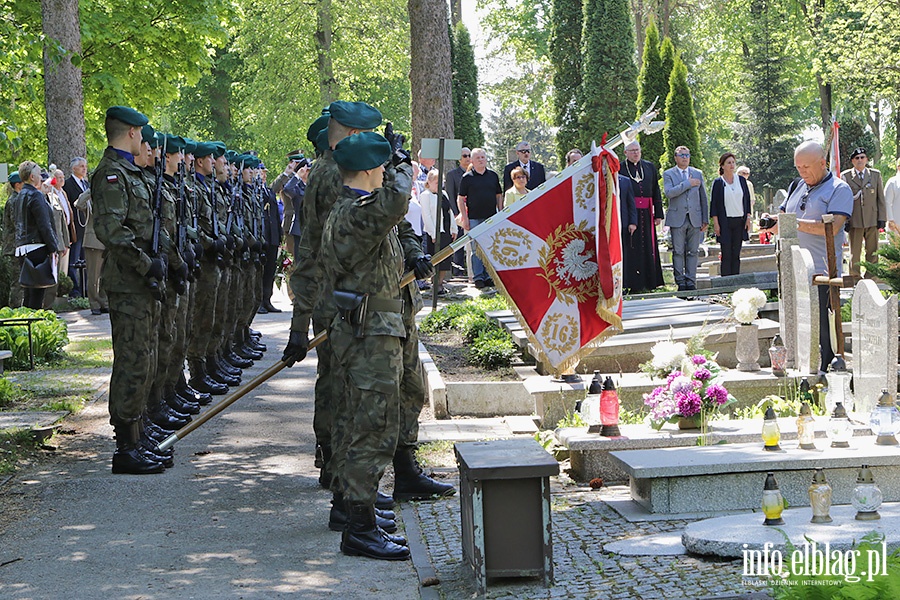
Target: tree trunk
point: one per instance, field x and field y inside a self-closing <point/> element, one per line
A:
<point x="665" y="15"/>
<point x="637" y="12"/>
<point x="63" y="88"/>
<point x="220" y="100"/>
<point x="824" y="102"/>
<point x="328" y="85"/>
<point x="455" y="12"/>
<point x="873" y="117"/>
<point x="431" y="106"/>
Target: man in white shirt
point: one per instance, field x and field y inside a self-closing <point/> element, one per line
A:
<point x="892" y="200"/>
<point x="76" y="183"/>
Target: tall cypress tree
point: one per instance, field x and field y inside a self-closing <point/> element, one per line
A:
<point x="565" y="56"/>
<point x="681" y="121"/>
<point x="653" y="82"/>
<point x="609" y="75"/>
<point x="464" y="79"/>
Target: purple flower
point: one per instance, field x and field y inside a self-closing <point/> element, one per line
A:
<point x="672" y="376"/>
<point x="698" y="359"/>
<point x="702" y="374"/>
<point x="688" y="404"/>
<point x="716" y="393"/>
<point x="681" y="385"/>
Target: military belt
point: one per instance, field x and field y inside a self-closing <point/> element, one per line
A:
<point x="385" y="305"/>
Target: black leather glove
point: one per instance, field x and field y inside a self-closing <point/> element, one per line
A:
<point x="189" y="257"/>
<point x="239" y="242"/>
<point x="157" y="269"/>
<point x="198" y="251"/>
<point x="179" y="277"/>
<point x="882" y="224"/>
<point x="219" y="246"/>
<point x="400" y="156"/>
<point x="297" y="346"/>
<point x="421" y="266"/>
<point x="229" y="242"/>
<point x="396" y="140"/>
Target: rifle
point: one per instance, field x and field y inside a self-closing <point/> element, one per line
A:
<point x="156" y="289"/>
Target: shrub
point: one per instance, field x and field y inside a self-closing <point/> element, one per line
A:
<point x="50" y="335"/>
<point x="443" y="319"/>
<point x="492" y="349"/>
<point x="65" y="285"/>
<point x="9" y="392"/>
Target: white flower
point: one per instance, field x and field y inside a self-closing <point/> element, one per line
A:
<point x="746" y="303"/>
<point x="745" y="313"/>
<point x="667" y="355"/>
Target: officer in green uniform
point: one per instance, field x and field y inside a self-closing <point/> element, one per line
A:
<point x="10" y="220"/>
<point x="363" y="261"/>
<point x="123" y="222"/>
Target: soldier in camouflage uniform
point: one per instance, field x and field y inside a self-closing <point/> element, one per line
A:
<point x="123" y="221"/>
<point x="363" y="262"/>
<point x="10" y="219"/>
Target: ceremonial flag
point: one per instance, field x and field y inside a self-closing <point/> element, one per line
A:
<point x="834" y="150"/>
<point x="558" y="258"/>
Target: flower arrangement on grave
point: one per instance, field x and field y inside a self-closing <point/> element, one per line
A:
<point x="693" y="387"/>
<point x="746" y="303"/>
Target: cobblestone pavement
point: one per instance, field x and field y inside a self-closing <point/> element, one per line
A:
<point x="582" y="524"/>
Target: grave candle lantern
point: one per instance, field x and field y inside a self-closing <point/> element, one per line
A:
<point x="838" y="385"/>
<point x="609" y="409"/>
<point x="820" y="497"/>
<point x="770" y="431"/>
<point x="866" y="498"/>
<point x="806" y="433"/>
<point x="778" y="356"/>
<point x="840" y="430"/>
<point x="590" y="407"/>
<point x="885" y="420"/>
<point x="772" y="502"/>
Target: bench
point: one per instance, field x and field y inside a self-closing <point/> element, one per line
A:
<point x="23" y="322"/>
<point x="4" y="354"/>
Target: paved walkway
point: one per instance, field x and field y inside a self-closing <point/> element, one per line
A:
<point x="241" y="516"/>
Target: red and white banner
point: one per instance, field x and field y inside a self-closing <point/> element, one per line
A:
<point x="563" y="280"/>
<point x="834" y="150"/>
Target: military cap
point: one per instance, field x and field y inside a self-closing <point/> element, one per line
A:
<point x="14" y="177"/>
<point x="362" y="151"/>
<point x="858" y="152"/>
<point x="357" y="115"/>
<point x="235" y="158"/>
<point x="322" y="141"/>
<point x="189" y="145"/>
<point x="250" y="161"/>
<point x="127" y="115"/>
<point x="295" y="155"/>
<point x="204" y="149"/>
<point x="229" y="155"/>
<point x="318" y="125"/>
<point x="148" y="134"/>
<point x="220" y="149"/>
<point x="174" y="143"/>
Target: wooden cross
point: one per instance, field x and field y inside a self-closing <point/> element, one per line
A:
<point x="834" y="284"/>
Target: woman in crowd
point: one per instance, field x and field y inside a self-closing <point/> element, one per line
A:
<point x="573" y="156"/>
<point x="518" y="190"/>
<point x="36" y="238"/>
<point x="62" y="221"/>
<point x="730" y="213"/>
<point x="449" y="228"/>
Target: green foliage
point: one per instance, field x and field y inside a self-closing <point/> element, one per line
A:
<point x="9" y="392"/>
<point x="49" y="336"/>
<point x="572" y="419"/>
<point x="653" y="84"/>
<point x="609" y="75"/>
<point x="13" y="443"/>
<point x="853" y="134"/>
<point x="492" y="348"/>
<point x="565" y="56"/>
<point x="508" y="125"/>
<point x="64" y="285"/>
<point x="73" y="304"/>
<point x="888" y="266"/>
<point x="464" y="80"/>
<point x="681" y="122"/>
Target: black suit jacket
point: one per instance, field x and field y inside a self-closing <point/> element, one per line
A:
<point x="536" y="175"/>
<point x="717" y="201"/>
<point x="73" y="190"/>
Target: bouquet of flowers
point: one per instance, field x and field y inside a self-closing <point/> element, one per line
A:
<point x="282" y="266"/>
<point x="691" y="388"/>
<point x="746" y="304"/>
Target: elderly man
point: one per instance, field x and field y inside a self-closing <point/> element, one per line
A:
<point x="451" y="186"/>
<point x="869" y="213"/>
<point x="73" y="187"/>
<point x="640" y="248"/>
<point x="479" y="198"/>
<point x="819" y="193"/>
<point x="688" y="216"/>
<point x="532" y="168"/>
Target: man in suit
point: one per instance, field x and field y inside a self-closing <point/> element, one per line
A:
<point x="687" y="217"/>
<point x="73" y="187"/>
<point x="451" y="186"/>
<point x="869" y="212"/>
<point x="533" y="169"/>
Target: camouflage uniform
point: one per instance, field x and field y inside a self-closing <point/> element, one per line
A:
<point x="216" y="334"/>
<point x="362" y="253"/>
<point x="172" y="363"/>
<point x="123" y="222"/>
<point x="203" y="315"/>
<point x="10" y="221"/>
<point x="412" y="386"/>
<point x="311" y="300"/>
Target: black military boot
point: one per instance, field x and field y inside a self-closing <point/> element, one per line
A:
<point x="255" y="344"/>
<point x="337" y="518"/>
<point x="244" y="351"/>
<point x="200" y="381"/>
<point x="383" y="501"/>
<point x="226" y="366"/>
<point x="154" y="431"/>
<point x="159" y="412"/>
<point x="217" y="375"/>
<point x="128" y="458"/>
<point x="179" y="403"/>
<point x="255" y="339"/>
<point x="186" y="391"/>
<point x="323" y="455"/>
<point x="410" y="483"/>
<point x="254" y="333"/>
<point x="235" y="360"/>
<point x="150" y="449"/>
<point x="363" y="538"/>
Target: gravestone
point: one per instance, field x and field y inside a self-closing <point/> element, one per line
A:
<point x="874" y="345"/>
<point x="787" y="297"/>
<point x="806" y="303"/>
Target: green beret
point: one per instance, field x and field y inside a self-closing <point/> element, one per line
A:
<point x="220" y="149"/>
<point x="127" y="115"/>
<point x="235" y="158"/>
<point x="357" y="115"/>
<point x="189" y="145"/>
<point x="204" y="149"/>
<point x="322" y="141"/>
<point x="14" y="177"/>
<point x="148" y="134"/>
<point x="250" y="161"/>
<point x="362" y="151"/>
<point x="318" y="125"/>
<point x="174" y="143"/>
<point x="229" y="155"/>
<point x="295" y="155"/>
